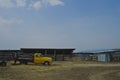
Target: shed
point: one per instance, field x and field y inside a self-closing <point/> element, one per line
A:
<point x="103" y="57"/>
<point x="109" y="56"/>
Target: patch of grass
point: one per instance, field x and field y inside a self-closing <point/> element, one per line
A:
<point x="59" y="70"/>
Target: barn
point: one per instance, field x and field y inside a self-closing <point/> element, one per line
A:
<point x="58" y="54"/>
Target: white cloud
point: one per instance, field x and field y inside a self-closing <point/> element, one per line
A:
<point x="53" y="2"/>
<point x="21" y="3"/>
<point x="4" y="21"/>
<point x="6" y="4"/>
<point x="36" y="4"/>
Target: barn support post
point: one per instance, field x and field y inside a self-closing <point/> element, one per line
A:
<point x="15" y="57"/>
<point x="111" y="57"/>
<point x="45" y="52"/>
<point x="71" y="54"/>
<point x="55" y="55"/>
<point x="63" y="58"/>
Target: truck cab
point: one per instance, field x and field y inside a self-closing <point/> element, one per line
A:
<point x="39" y="58"/>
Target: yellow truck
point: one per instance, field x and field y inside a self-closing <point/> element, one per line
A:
<point x="36" y="58"/>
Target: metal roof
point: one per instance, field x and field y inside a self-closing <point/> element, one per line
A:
<point x="52" y="48"/>
<point x="102" y="51"/>
<point x="43" y="49"/>
<point x="9" y="50"/>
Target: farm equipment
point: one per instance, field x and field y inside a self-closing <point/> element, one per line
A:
<point x="36" y="58"/>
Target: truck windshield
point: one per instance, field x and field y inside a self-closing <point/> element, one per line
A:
<point x="39" y="55"/>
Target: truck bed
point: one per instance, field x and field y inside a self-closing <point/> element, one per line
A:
<point x="24" y="57"/>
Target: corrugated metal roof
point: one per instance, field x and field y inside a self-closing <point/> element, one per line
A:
<point x="101" y="51"/>
<point x="47" y="48"/>
<point x="28" y="50"/>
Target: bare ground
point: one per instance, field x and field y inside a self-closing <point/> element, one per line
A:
<point x="67" y="70"/>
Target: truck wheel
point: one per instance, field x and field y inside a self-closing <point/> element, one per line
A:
<point x="46" y="63"/>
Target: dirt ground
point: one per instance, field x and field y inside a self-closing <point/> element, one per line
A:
<point x="62" y="70"/>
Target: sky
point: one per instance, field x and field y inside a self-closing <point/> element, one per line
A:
<point x="79" y="24"/>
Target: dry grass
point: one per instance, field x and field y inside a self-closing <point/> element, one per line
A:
<point x="60" y="70"/>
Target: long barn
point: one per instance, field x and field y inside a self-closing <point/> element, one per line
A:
<point x="56" y="53"/>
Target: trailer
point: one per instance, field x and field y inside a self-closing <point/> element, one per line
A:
<point x="5" y="57"/>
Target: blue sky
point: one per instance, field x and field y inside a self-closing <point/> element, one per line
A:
<point x="80" y="24"/>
